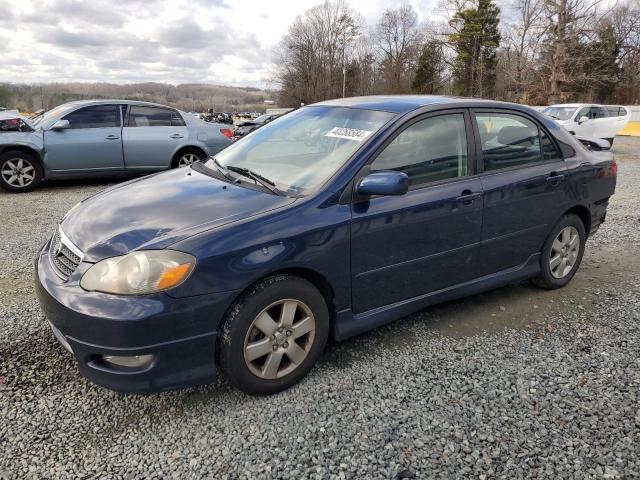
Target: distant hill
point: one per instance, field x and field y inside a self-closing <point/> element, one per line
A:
<point x="189" y="97"/>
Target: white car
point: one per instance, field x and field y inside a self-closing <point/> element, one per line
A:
<point x="590" y="120"/>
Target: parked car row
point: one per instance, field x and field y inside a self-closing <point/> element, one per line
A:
<point x="331" y="220"/>
<point x="105" y="137"/>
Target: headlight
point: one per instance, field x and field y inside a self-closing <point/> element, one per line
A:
<point x="139" y="273"/>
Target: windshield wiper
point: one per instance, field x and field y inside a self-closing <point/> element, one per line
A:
<point x="222" y="170"/>
<point x="256" y="177"/>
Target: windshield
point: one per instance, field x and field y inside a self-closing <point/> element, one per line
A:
<point x="42" y="119"/>
<point x="559" y="113"/>
<point x="301" y="150"/>
<point x="262" y="118"/>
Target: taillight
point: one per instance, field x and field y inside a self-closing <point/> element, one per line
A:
<point x="614" y="168"/>
<point x="227" y="132"/>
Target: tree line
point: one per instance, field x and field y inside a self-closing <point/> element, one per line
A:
<point x="536" y="52"/>
<point x="188" y="97"/>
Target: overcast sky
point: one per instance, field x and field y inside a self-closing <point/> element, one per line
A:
<point x="228" y="42"/>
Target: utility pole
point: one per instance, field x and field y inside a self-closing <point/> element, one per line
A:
<point x="344" y="75"/>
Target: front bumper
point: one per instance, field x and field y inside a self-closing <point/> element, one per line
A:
<point x="180" y="333"/>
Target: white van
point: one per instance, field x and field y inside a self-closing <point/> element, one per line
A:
<point x="589" y="120"/>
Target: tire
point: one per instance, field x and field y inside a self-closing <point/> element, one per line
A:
<point x="566" y="261"/>
<point x="186" y="157"/>
<point x="19" y="171"/>
<point x="256" y="360"/>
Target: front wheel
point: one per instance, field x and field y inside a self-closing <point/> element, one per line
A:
<point x="562" y="253"/>
<point x="273" y="335"/>
<point x="19" y="172"/>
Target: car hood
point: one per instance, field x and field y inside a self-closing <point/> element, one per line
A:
<point x="13" y="114"/>
<point x="156" y="211"/>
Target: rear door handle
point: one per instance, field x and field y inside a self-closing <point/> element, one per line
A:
<point x="555" y="178"/>
<point x="468" y="198"/>
<point x="176" y="135"/>
<point x="112" y="137"/>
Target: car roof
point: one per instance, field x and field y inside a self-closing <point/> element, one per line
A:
<point x="114" y="100"/>
<point x="406" y="103"/>
<point x="574" y="105"/>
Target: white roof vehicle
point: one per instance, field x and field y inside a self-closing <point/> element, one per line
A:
<point x="590" y="120"/>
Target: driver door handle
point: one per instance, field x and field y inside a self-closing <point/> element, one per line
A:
<point x="112" y="137"/>
<point x="555" y="178"/>
<point x="176" y="135"/>
<point x="468" y="197"/>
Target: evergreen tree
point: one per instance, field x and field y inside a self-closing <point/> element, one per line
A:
<point x="475" y="40"/>
<point x="428" y="75"/>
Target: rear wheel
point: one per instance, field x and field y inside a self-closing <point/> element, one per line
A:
<point x="19" y="171"/>
<point x="187" y="157"/>
<point x="273" y="335"/>
<point x="562" y="253"/>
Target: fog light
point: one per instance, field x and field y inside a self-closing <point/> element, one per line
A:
<point x="134" y="361"/>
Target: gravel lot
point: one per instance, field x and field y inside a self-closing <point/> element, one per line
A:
<point x="515" y="383"/>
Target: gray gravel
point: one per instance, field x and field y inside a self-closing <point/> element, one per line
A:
<point x="515" y="383"/>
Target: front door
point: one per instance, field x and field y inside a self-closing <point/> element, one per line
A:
<point x="93" y="140"/>
<point x="524" y="183"/>
<point x="151" y="136"/>
<point x="428" y="239"/>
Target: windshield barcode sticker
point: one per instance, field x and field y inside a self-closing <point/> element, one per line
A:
<point x="348" y="133"/>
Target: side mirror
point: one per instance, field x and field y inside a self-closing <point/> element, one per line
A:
<point x="583" y="119"/>
<point x="60" y="125"/>
<point x="384" y="182"/>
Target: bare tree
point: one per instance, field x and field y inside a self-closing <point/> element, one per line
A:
<point x="313" y="53"/>
<point x="398" y="40"/>
<point x="521" y="47"/>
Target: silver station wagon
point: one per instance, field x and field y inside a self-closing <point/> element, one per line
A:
<point x="102" y="137"/>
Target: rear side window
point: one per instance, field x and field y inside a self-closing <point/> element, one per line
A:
<point x="176" y="120"/>
<point x="616" y="111"/>
<point x="509" y="140"/>
<point x="430" y="150"/>
<point x="140" y="116"/>
<point x="96" y="116"/>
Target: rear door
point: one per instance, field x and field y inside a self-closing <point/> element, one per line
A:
<point x="151" y="137"/>
<point x="93" y="140"/>
<point x="524" y="182"/>
<point x="428" y="239"/>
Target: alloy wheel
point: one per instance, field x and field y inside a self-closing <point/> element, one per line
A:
<point x="188" y="159"/>
<point x="564" y="252"/>
<point x="279" y="339"/>
<point x="18" y="172"/>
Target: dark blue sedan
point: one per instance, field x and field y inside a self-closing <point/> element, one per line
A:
<point x="331" y="220"/>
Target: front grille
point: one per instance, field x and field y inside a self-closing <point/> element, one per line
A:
<point x="65" y="256"/>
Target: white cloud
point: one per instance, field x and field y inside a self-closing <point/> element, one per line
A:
<point x="174" y="41"/>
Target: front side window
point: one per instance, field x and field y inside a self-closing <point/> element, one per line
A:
<point x="96" y="116"/>
<point x="301" y="150"/>
<point x="508" y="140"/>
<point x="140" y="116"/>
<point x="430" y="150"/>
<point x="584" y="112"/>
